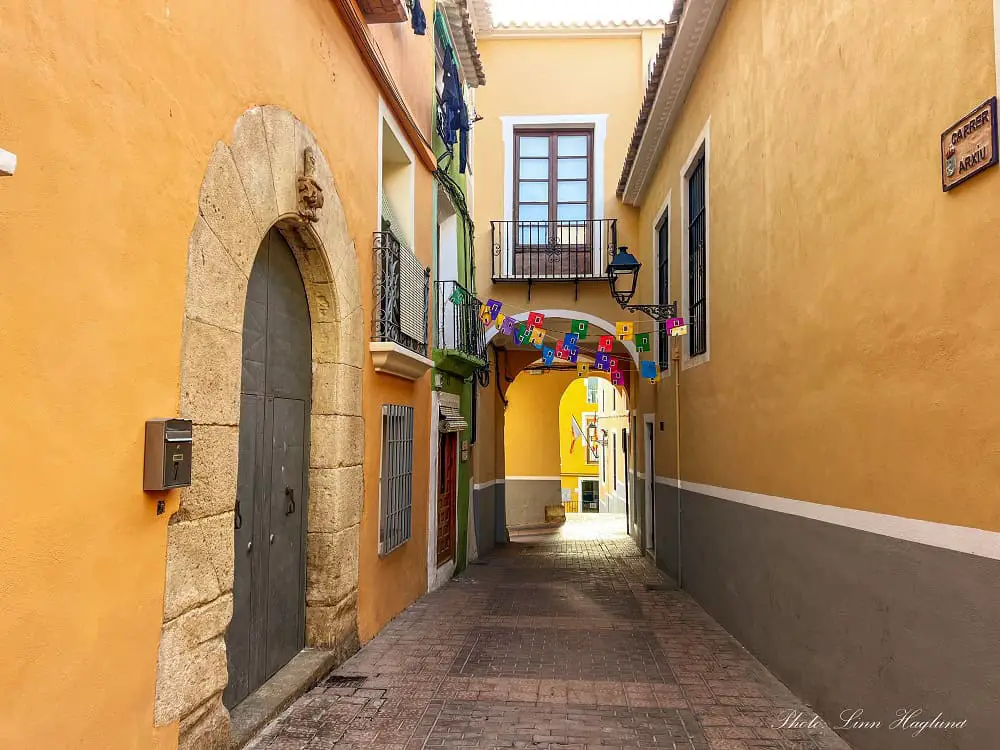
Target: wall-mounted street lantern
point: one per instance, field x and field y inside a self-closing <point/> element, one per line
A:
<point x="623" y="275"/>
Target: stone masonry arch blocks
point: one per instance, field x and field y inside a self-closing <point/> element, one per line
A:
<point x="250" y="185"/>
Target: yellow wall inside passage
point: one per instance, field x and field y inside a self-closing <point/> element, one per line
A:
<point x="853" y="315"/>
<point x="531" y="435"/>
<point x="113" y="110"/>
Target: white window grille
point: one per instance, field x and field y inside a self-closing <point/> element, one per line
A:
<point x="396" y="481"/>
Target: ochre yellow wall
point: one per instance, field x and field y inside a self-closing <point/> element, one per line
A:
<point x="567" y="76"/>
<point x="853" y="313"/>
<point x="573" y="455"/>
<point x="113" y="110"/>
<point x="574" y="404"/>
<point x="531" y="434"/>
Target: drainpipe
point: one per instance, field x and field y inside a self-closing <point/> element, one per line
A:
<point x="677" y="440"/>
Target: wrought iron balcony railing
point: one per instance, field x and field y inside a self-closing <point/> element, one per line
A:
<point x="552" y="250"/>
<point x="459" y="327"/>
<point x="402" y="295"/>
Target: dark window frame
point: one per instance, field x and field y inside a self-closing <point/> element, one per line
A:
<point x="697" y="256"/>
<point x="552" y="180"/>
<point x="663" y="284"/>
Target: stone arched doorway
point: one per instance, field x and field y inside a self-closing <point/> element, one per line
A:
<point x="267" y="177"/>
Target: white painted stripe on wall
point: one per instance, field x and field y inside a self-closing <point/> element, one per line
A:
<point x="536" y="479"/>
<point x="965" y="539"/>
<point x="487" y="485"/>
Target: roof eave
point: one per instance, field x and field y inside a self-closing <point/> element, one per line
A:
<point x="691" y="39"/>
<point x="463" y="34"/>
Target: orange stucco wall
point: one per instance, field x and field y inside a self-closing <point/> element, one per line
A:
<point x="113" y="110"/>
<point x="853" y="315"/>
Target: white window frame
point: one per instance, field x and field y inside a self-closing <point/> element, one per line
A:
<point x="702" y="145"/>
<point x="599" y="122"/>
<point x="386" y="118"/>
<point x="663" y="213"/>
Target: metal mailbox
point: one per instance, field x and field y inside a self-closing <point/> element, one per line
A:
<point x="168" y="454"/>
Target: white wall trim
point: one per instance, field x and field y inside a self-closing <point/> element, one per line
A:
<point x="600" y="124"/>
<point x="604" y="325"/>
<point x="965" y="539"/>
<point x="386" y="116"/>
<point x="657" y="219"/>
<point x="702" y="141"/>
<point x="487" y="485"/>
<point x="534" y="479"/>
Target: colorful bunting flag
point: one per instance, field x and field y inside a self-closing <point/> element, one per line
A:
<point x="605" y="343"/>
<point x="537" y="337"/>
<point x="574" y="354"/>
<point x="679" y="331"/>
<point x="561" y="351"/>
<point x="548" y="354"/>
<point x="673" y="323"/>
<point x="582" y="369"/>
<point x="642" y="342"/>
<point x="613" y="362"/>
<point x="494" y="305"/>
<point x="602" y="362"/>
<point x="485" y="315"/>
<point x="499" y="320"/>
<point x="617" y="378"/>
<point x="571" y="339"/>
<point x="457" y="296"/>
<point x="509" y="326"/>
<point x="648" y="369"/>
<point x="535" y="320"/>
<point x="523" y="334"/>
<point x="624" y="330"/>
<point x="580" y="328"/>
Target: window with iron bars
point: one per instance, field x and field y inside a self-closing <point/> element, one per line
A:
<point x="396" y="479"/>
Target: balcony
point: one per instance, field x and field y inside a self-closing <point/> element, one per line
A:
<point x="460" y="338"/>
<point x="534" y="251"/>
<point x="401" y="305"/>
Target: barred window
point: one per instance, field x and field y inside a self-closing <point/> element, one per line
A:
<point x="396" y="481"/>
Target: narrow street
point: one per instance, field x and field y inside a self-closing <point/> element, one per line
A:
<point x="572" y="640"/>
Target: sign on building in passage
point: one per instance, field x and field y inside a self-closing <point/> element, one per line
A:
<point x="970" y="145"/>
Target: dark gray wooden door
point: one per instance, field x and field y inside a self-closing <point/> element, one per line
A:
<point x="268" y="625"/>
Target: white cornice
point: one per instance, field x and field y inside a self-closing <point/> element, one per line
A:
<point x="694" y="32"/>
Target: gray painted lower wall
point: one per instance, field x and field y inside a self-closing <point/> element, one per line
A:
<point x="526" y="499"/>
<point x="484" y="504"/>
<point x="849" y="620"/>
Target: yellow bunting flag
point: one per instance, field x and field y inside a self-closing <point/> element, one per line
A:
<point x="582" y="369"/>
<point x="485" y="315"/>
<point x="679" y="331"/>
<point x="499" y="320"/>
<point x="537" y="336"/>
<point x="624" y="330"/>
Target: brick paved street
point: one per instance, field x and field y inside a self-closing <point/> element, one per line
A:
<point x="550" y="643"/>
